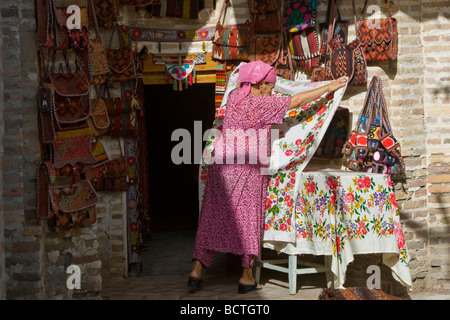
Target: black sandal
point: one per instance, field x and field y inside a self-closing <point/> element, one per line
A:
<point x="242" y="288"/>
<point x="194" y="283"/>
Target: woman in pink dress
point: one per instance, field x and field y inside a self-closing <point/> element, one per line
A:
<point x="232" y="212"/>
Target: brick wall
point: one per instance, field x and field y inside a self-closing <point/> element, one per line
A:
<point x="21" y="150"/>
<point x="435" y="37"/>
<point x="2" y="223"/>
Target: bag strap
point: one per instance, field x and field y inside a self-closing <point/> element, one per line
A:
<point x="116" y="27"/>
<point x="331" y="24"/>
<point x="223" y="12"/>
<point x="327" y="21"/>
<point x="91" y="9"/>
<point x="335" y="11"/>
<point x="387" y="6"/>
<point x="281" y="44"/>
<point x="370" y="102"/>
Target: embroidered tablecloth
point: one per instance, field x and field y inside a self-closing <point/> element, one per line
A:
<point x="342" y="213"/>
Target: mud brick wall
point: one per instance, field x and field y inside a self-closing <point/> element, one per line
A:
<point x="22" y="243"/>
<point x="2" y="223"/>
<point x="33" y="261"/>
<point x="435" y="37"/>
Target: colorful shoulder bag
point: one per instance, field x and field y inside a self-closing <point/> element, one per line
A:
<point x="70" y="38"/>
<point x="70" y="91"/>
<point x="231" y="42"/>
<point x="106" y="12"/>
<point x="342" y="59"/>
<point x="76" y="206"/>
<point x="378" y="36"/>
<point x="72" y="145"/>
<point x="299" y="15"/>
<point x="265" y="15"/>
<point x="299" y="22"/>
<point x="372" y="146"/>
<point x="340" y="29"/>
<point x="120" y="60"/>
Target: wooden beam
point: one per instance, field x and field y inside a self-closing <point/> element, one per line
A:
<point x="161" y="78"/>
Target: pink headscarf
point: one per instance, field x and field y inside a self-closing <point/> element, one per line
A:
<point x="252" y="73"/>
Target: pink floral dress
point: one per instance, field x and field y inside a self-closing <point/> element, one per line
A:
<point x="232" y="213"/>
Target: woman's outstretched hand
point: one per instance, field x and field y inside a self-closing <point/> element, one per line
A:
<point x="303" y="98"/>
<point x="337" y="84"/>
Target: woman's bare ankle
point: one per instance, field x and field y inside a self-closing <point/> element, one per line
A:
<point x="196" y="271"/>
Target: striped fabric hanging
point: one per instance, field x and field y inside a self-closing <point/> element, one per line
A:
<point x="304" y="47"/>
<point x="221" y="81"/>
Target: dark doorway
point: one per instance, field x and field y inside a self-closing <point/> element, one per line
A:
<point x="174" y="188"/>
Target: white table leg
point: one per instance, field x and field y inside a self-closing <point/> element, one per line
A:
<point x="329" y="274"/>
<point x="258" y="270"/>
<point x="292" y="274"/>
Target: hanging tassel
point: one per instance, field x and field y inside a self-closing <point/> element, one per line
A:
<point x="175" y="85"/>
<point x="203" y="46"/>
<point x="159" y="47"/>
<point x="186" y="83"/>
<point x="179" y="45"/>
<point x="194" y="74"/>
<point x="190" y="79"/>
<point x="169" y="78"/>
<point x="135" y="105"/>
<point x="136" y="46"/>
<point x="180" y="85"/>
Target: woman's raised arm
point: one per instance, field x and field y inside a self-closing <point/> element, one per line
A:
<point x="303" y="98"/>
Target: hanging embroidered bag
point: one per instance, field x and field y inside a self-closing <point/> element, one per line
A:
<point x="265" y="15"/>
<point x="231" y="42"/>
<point x="99" y="118"/>
<point x="121" y="115"/>
<point x="374" y="148"/>
<point x="378" y="37"/>
<point x="344" y="59"/>
<point x="106" y="12"/>
<point x="120" y="60"/>
<point x="340" y="30"/>
<point x="284" y="67"/>
<point x="66" y="38"/>
<point x="265" y="47"/>
<point x="72" y="145"/>
<point x="304" y="47"/>
<point x="76" y="206"/>
<point x="113" y="177"/>
<point x="71" y="92"/>
<point x="299" y="15"/>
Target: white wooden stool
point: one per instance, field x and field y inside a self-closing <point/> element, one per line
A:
<point x="294" y="268"/>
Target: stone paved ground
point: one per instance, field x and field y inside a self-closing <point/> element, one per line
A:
<point x="165" y="269"/>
